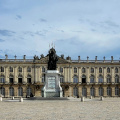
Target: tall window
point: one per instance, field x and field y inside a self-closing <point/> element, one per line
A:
<point x="100" y="91"/>
<point x="100" y="79"/>
<point x="117" y="90"/>
<point x="20" y="91"/>
<point x="75" y="70"/>
<point x="84" y="91"/>
<point x="29" y="79"/>
<point x="43" y="69"/>
<point x="92" y="91"/>
<point x="19" y="69"/>
<point x="61" y="69"/>
<point x="11" y="69"/>
<point x="29" y="91"/>
<point x="116" y="70"/>
<point x="75" y="91"/>
<point x="92" y="79"/>
<point x="28" y="69"/>
<point x="2" y="69"/>
<point x="92" y="70"/>
<point x="100" y="70"/>
<point x="83" y="79"/>
<point x="108" y="79"/>
<point x="75" y="79"/>
<point x="11" y="79"/>
<point x="43" y="78"/>
<point x="61" y="79"/>
<point x="11" y="91"/>
<point x="109" y="91"/>
<point x="108" y="70"/>
<point x="116" y="79"/>
<point x="20" y="79"/>
<point x="83" y="70"/>
<point x="2" y="91"/>
<point x="2" y="79"/>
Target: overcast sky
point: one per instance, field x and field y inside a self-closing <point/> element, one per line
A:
<point x="76" y="27"/>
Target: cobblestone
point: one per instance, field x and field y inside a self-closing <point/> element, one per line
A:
<point x="72" y="109"/>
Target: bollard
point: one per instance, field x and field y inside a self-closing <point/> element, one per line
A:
<point x="101" y="98"/>
<point x="90" y="97"/>
<point x="12" y="97"/>
<point x="0" y="98"/>
<point x="21" y="99"/>
<point x="82" y="99"/>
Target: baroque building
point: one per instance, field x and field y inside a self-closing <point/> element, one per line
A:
<point x="21" y="77"/>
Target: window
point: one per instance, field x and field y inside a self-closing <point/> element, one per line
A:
<point x="83" y="70"/>
<point x="116" y="79"/>
<point x="61" y="79"/>
<point x="75" y="70"/>
<point x="109" y="91"/>
<point x="20" y="79"/>
<point x="20" y="91"/>
<point x="43" y="69"/>
<point x="92" y="91"/>
<point x="61" y="70"/>
<point x="11" y="69"/>
<point x="84" y="91"/>
<point x="116" y="70"/>
<point x="91" y="79"/>
<point x="100" y="79"/>
<point x="2" y="69"/>
<point x="43" y="78"/>
<point x="83" y="79"/>
<point x="100" y="70"/>
<point x="29" y="79"/>
<point x="19" y="69"/>
<point x="11" y="79"/>
<point x="75" y="79"/>
<point x="75" y="91"/>
<point x="2" y="91"/>
<point x="29" y="91"/>
<point x="11" y="91"/>
<point x="92" y="70"/>
<point x="108" y="79"/>
<point x="2" y="79"/>
<point x="116" y="90"/>
<point x="100" y="91"/>
<point x="108" y="70"/>
<point x="28" y="69"/>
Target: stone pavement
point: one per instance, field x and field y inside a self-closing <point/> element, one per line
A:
<point x="72" y="109"/>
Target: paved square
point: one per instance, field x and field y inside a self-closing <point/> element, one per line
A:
<point x="72" y="109"/>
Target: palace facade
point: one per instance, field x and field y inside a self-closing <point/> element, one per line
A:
<point x="21" y="77"/>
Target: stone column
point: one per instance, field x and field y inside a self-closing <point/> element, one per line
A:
<point x="104" y="91"/>
<point x="112" y="75"/>
<point x="96" y="74"/>
<point x="6" y="91"/>
<point x="104" y="74"/>
<point x="65" y="79"/>
<point x="70" y="74"/>
<point x="70" y="91"/>
<point x="35" y="74"/>
<point x="24" y="91"/>
<point x="80" y="91"/>
<point x="6" y="75"/>
<point x="113" y="91"/>
<point x="24" y="75"/>
<point x="88" y="91"/>
<point x="15" y="75"/>
<point x="88" y="78"/>
<point x="79" y="74"/>
<point x="38" y="74"/>
<point x="16" y="91"/>
<point x="96" y="91"/>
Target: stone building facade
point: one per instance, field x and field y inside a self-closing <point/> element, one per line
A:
<point x="21" y="77"/>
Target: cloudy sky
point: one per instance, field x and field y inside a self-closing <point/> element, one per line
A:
<point x="76" y="27"/>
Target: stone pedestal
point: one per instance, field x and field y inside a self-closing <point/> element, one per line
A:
<point x="52" y="86"/>
<point x="82" y="99"/>
<point x="101" y="98"/>
<point x="0" y="98"/>
<point x="90" y="97"/>
<point x="12" y="97"/>
<point x="21" y="99"/>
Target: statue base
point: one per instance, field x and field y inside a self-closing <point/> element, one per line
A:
<point x="52" y="86"/>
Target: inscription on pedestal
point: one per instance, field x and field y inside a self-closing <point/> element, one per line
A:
<point x="51" y="82"/>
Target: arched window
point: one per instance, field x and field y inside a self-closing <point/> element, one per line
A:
<point x="43" y="69"/>
<point x="11" y="69"/>
<point x="83" y="70"/>
<point x="2" y="69"/>
<point x="100" y="79"/>
<point x="20" y="79"/>
<point x="11" y="79"/>
<point x="100" y="91"/>
<point x="29" y="79"/>
<point x="109" y="91"/>
<point x="84" y="91"/>
<point x="75" y="79"/>
<point x="19" y="69"/>
<point x="2" y="91"/>
<point x="92" y="79"/>
<point x="20" y="91"/>
<point x="108" y="79"/>
<point x="100" y="70"/>
<point x="116" y="79"/>
<point x="92" y="91"/>
<point x="29" y="91"/>
<point x="108" y="70"/>
<point x="11" y="91"/>
<point x="92" y="70"/>
<point x="75" y="70"/>
<point x="117" y="90"/>
<point x="28" y="69"/>
<point x="83" y="79"/>
<point x="75" y="91"/>
<point x="116" y="70"/>
<point x="2" y="79"/>
<point x="61" y="79"/>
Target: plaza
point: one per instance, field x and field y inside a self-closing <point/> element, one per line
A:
<point x="71" y="109"/>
